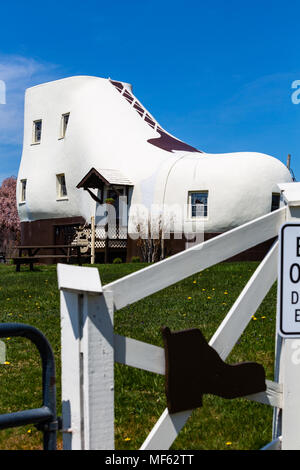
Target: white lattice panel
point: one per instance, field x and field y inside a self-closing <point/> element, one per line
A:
<point x="117" y="237"/>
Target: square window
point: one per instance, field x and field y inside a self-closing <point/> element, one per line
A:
<point x="61" y="186"/>
<point x="37" y="131"/>
<point x="198" y="204"/>
<point x="23" y="191"/>
<point x="64" y="124"/>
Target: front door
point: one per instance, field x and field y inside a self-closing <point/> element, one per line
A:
<point x="115" y="195"/>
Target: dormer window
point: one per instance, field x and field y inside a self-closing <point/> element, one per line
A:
<point x="61" y="187"/>
<point x="64" y="124"/>
<point x="37" y="131"/>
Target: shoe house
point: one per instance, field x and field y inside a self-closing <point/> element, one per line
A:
<point x="87" y="139"/>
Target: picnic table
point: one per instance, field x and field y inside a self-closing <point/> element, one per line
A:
<point x="28" y="254"/>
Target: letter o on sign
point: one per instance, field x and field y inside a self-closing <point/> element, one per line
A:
<point x="295" y="273"/>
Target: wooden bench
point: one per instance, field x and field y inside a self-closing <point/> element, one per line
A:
<point x="18" y="260"/>
<point x="33" y="257"/>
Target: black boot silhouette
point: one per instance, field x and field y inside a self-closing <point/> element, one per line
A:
<point x="194" y="368"/>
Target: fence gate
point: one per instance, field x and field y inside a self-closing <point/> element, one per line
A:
<point x="90" y="347"/>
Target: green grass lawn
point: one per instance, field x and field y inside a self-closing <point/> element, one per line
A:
<point x="200" y="301"/>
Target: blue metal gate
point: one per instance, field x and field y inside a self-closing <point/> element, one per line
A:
<point x="45" y="417"/>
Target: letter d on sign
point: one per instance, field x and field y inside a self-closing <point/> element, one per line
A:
<point x="295" y="297"/>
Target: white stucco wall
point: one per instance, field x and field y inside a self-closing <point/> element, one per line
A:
<point x="104" y="131"/>
<point x="239" y="185"/>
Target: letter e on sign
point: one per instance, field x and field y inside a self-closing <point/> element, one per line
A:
<point x="288" y="316"/>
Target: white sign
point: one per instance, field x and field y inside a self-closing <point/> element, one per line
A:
<point x="288" y="317"/>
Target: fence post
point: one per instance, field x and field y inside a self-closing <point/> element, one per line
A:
<point x="72" y="413"/>
<point x="286" y="422"/>
<point x="87" y="360"/>
<point x="98" y="371"/>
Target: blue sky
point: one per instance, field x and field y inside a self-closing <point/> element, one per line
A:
<point x="217" y="75"/>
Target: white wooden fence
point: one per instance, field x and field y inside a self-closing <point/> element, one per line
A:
<point x="90" y="347"/>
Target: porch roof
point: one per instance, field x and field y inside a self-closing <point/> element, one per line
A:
<point x="109" y="177"/>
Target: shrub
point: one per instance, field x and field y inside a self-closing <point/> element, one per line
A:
<point x="117" y="261"/>
<point x="135" y="259"/>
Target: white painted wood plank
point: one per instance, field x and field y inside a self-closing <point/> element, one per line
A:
<point x="78" y="279"/>
<point x="98" y="372"/>
<point x="273" y="396"/>
<point x="145" y="282"/>
<point x="291" y="394"/>
<point x="273" y="445"/>
<point x="138" y="354"/>
<point x="268" y="268"/>
<point x="278" y="376"/>
<point x="165" y="430"/>
<point x="246" y="304"/>
<point x="71" y="371"/>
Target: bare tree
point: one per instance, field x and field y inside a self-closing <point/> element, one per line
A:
<point x="150" y="240"/>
